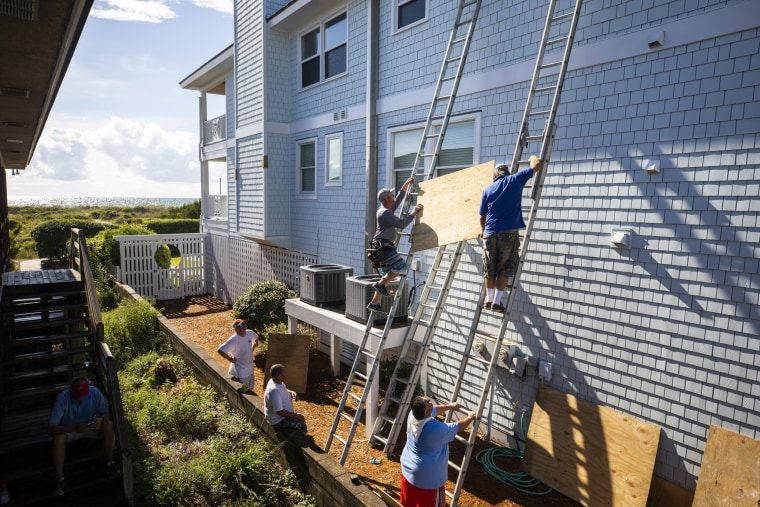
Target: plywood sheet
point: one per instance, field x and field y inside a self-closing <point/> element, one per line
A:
<point x="452" y="207"/>
<point x="292" y="351"/>
<point x="730" y="473"/>
<point x="592" y="454"/>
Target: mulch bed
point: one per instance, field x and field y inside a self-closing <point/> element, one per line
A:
<point x="207" y="321"/>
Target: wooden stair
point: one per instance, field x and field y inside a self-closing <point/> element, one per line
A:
<point x="47" y="338"/>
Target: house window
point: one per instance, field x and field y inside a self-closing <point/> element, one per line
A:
<point x="324" y="51"/>
<point x="409" y="12"/>
<point x="307" y="168"/>
<point x="334" y="159"/>
<point x="457" y="152"/>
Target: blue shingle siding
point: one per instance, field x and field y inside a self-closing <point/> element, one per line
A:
<point x="249" y="62"/>
<point x="668" y="330"/>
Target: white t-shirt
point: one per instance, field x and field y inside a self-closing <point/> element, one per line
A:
<point x="276" y="398"/>
<point x="241" y="347"/>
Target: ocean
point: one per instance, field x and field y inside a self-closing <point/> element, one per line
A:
<point x="121" y="202"/>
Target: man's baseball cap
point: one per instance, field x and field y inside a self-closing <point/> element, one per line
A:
<point x="80" y="389"/>
<point x="237" y="322"/>
<point x="383" y="192"/>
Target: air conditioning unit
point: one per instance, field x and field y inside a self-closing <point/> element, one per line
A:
<point x="359" y="293"/>
<point x="324" y="284"/>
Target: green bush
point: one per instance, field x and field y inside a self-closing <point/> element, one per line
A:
<point x="263" y="304"/>
<point x="163" y="257"/>
<point x="282" y="328"/>
<point x="132" y="329"/>
<point x="52" y="237"/>
<point x="104" y="249"/>
<point x="105" y="287"/>
<point x="172" y="225"/>
<point x="189" y="210"/>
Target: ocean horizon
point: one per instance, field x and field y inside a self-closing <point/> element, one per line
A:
<point x="121" y="202"/>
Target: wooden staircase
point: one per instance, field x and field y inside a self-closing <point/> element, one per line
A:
<point x="51" y="332"/>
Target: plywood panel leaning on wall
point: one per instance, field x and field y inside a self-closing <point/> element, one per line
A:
<point x="452" y="207"/>
<point x="730" y="473"/>
<point x="292" y="351"/>
<point x="592" y="454"/>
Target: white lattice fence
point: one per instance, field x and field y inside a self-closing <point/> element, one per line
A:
<point x="235" y="264"/>
<point x="140" y="271"/>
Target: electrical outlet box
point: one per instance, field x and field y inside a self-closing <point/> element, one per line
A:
<point x="416" y="264"/>
<point x="517" y="366"/>
<point x="545" y="370"/>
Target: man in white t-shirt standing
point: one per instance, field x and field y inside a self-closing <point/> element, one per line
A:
<point x="278" y="402"/>
<point x="239" y="350"/>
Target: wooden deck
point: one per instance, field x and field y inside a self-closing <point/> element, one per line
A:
<point x="41" y="277"/>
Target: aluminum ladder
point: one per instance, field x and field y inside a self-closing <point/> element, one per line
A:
<point x="424" y="167"/>
<point x="539" y="115"/>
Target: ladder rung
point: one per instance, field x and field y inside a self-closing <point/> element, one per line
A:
<point x="357" y="398"/>
<point x="347" y="417"/>
<point x="459" y="40"/>
<point x="461" y="439"/>
<point x="562" y="16"/>
<point x="455" y="466"/>
<point x="539" y="113"/>
<point x="545" y="89"/>
<point x="382" y="439"/>
<point x="553" y="64"/>
<point x="557" y="40"/>
<point x="336" y="437"/>
<point x="478" y="359"/>
<point x="431" y="306"/>
<point x="486" y="336"/>
<point x="361" y="376"/>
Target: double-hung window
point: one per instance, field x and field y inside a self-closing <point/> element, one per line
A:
<point x="324" y="51"/>
<point x="334" y="159"/>
<point x="457" y="152"/>
<point x="306" y="155"/>
<point x="409" y="12"/>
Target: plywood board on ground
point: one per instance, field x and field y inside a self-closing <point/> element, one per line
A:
<point x="452" y="207"/>
<point x="292" y="351"/>
<point x="590" y="453"/>
<point x="730" y="473"/>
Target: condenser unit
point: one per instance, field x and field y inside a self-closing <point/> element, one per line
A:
<point x="359" y="293"/>
<point x="324" y="284"/>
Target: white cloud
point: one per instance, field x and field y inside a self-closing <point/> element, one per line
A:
<point x="224" y="6"/>
<point x="119" y="157"/>
<point x="150" y="11"/>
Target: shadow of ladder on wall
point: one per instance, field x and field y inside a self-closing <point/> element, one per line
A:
<point x="538" y="116"/>
<point x="434" y="131"/>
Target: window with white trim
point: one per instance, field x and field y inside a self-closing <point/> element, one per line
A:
<point x="334" y="159"/>
<point x="306" y="161"/>
<point x="324" y="51"/>
<point x="457" y="152"/>
<point x="409" y="12"/>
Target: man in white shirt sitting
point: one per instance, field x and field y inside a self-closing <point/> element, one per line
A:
<point x="278" y="402"/>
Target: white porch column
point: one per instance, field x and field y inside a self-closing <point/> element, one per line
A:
<point x="335" y="348"/>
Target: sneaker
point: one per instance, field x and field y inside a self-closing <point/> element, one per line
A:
<point x="486" y="306"/>
<point x="382" y="289"/>
<point x="496" y="307"/>
<point x="374" y="307"/>
<point x="60" y="487"/>
<point x="111" y="471"/>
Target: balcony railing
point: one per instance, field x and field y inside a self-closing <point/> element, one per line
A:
<point x="216" y="206"/>
<point x="215" y="129"/>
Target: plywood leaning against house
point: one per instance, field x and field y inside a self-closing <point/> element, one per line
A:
<point x="292" y="351"/>
<point x="730" y="473"/>
<point x="590" y="453"/>
<point x="452" y="207"/>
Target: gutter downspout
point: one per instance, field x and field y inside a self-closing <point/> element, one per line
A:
<point x="371" y="127"/>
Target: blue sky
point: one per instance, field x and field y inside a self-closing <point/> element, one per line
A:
<point x="121" y="125"/>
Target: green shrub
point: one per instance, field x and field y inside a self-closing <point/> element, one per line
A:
<point x="132" y="329"/>
<point x="263" y="304"/>
<point x="282" y="328"/>
<point x="105" y="287"/>
<point x="189" y="210"/>
<point x="104" y="249"/>
<point x="163" y="257"/>
<point x="173" y="225"/>
<point x="52" y="237"/>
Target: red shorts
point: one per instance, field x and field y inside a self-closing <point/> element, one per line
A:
<point x="412" y="496"/>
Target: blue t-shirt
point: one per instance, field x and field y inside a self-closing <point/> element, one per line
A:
<point x="66" y="412"/>
<point x="502" y="202"/>
<point x="425" y="462"/>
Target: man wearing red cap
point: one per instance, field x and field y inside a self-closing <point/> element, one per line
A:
<point x="81" y="411"/>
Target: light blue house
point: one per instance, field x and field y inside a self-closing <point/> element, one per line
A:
<point x="658" y="135"/>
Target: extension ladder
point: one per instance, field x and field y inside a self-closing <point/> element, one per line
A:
<point x="436" y="124"/>
<point x="539" y="115"/>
